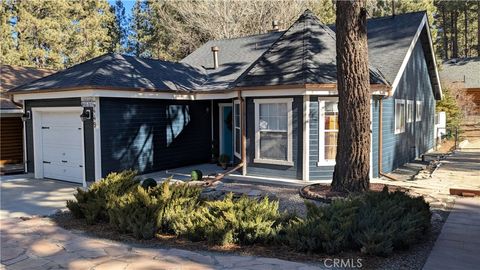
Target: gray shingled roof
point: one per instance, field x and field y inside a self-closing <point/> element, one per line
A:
<point x="466" y="70"/>
<point x="121" y="71"/>
<point x="234" y="57"/>
<point x="305" y="53"/>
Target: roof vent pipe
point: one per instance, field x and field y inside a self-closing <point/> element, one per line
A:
<point x="275" y="26"/>
<point x="215" y="50"/>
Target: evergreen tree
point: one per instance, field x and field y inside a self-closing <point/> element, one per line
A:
<point x="118" y="31"/>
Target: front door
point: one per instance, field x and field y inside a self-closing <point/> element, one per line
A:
<point x="226" y="126"/>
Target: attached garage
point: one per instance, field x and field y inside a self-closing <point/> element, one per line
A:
<point x="58" y="143"/>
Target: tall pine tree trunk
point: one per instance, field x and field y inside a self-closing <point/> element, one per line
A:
<point x="455" y="34"/>
<point x="478" y="29"/>
<point x="445" y="37"/>
<point x="465" y="21"/>
<point x="352" y="166"/>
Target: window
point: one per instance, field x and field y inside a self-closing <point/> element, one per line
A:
<point x="273" y="131"/>
<point x="237" y="132"/>
<point x="328" y="131"/>
<point x="419" y="111"/>
<point x="409" y="111"/>
<point x="399" y="116"/>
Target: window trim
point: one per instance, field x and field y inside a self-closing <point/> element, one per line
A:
<point x="399" y="101"/>
<point x="257" y="159"/>
<point x="418" y="116"/>
<point x="321" y="133"/>
<point x="410" y="113"/>
<point x="235" y="153"/>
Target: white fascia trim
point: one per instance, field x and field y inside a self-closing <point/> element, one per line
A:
<point x="11" y="111"/>
<point x="97" y="140"/>
<point x="306" y="137"/>
<point x="257" y="159"/>
<point x="433" y="56"/>
<point x="407" y="55"/>
<point x="18" y="97"/>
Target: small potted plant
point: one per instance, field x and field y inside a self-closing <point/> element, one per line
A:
<point x="224" y="159"/>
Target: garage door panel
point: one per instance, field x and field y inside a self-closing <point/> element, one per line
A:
<point x="62" y="146"/>
<point x="73" y="155"/>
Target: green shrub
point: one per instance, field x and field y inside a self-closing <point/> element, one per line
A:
<point x="92" y="204"/>
<point x="242" y="221"/>
<point x="196" y="175"/>
<point x="149" y="183"/>
<point x="388" y="221"/>
<point x="325" y="229"/>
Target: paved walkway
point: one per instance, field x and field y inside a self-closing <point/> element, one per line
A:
<point x="39" y="244"/>
<point x="21" y="196"/>
<point x="458" y="246"/>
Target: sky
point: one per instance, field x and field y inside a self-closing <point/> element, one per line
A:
<point x="128" y="4"/>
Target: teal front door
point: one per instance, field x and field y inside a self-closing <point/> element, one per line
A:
<point x="226" y="126"/>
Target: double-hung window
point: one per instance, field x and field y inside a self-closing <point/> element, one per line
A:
<point x="399" y="116"/>
<point x="328" y="131"/>
<point x="273" y="131"/>
<point x="237" y="132"/>
<point x="410" y="111"/>
<point x="419" y="111"/>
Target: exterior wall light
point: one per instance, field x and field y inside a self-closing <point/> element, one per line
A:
<point x="26" y="116"/>
<point x="86" y="115"/>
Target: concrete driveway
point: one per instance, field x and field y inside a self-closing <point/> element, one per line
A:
<point x="22" y="195"/>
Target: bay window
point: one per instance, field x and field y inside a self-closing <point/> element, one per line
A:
<point x="328" y="131"/>
<point x="273" y="131"/>
<point x="409" y="111"/>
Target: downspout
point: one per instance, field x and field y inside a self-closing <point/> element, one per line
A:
<point x="380" y="140"/>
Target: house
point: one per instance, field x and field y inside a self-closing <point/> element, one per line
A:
<point x="11" y="125"/>
<point x="267" y="101"/>
<point x="464" y="72"/>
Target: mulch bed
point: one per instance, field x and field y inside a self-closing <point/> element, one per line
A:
<point x="323" y="192"/>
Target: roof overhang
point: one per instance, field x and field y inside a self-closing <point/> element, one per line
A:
<point x="429" y="55"/>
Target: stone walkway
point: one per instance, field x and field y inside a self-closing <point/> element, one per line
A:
<point x="458" y="246"/>
<point x="38" y="243"/>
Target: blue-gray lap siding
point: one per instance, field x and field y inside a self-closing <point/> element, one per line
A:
<point x="418" y="138"/>
<point x="87" y="133"/>
<point x="152" y="135"/>
<point x="316" y="172"/>
<point x="280" y="171"/>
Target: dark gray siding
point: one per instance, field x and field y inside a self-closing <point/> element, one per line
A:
<point x="87" y="132"/>
<point x="418" y="136"/>
<point x="152" y="135"/>
<point x="291" y="172"/>
<point x="316" y="172"/>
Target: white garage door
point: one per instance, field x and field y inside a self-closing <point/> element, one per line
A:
<point x="62" y="146"/>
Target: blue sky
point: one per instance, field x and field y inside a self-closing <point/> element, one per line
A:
<point x="128" y="4"/>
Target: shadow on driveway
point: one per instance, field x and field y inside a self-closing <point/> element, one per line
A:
<point x="22" y="195"/>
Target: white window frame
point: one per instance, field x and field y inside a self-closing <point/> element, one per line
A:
<point x="237" y="154"/>
<point x="257" y="159"/>
<point x="418" y="111"/>
<point x="321" y="133"/>
<point x="399" y="101"/>
<point x="410" y="111"/>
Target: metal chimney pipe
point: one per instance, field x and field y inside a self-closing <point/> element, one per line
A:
<point x="215" y="50"/>
<point x="275" y="26"/>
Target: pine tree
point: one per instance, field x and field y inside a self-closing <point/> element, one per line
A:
<point x="118" y="30"/>
<point x="351" y="173"/>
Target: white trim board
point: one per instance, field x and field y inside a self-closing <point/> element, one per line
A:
<point x="97" y="140"/>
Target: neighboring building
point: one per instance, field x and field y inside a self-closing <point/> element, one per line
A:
<point x="11" y="125"/>
<point x="275" y="90"/>
<point x="464" y="72"/>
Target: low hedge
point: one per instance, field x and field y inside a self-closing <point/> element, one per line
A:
<point x="373" y="222"/>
